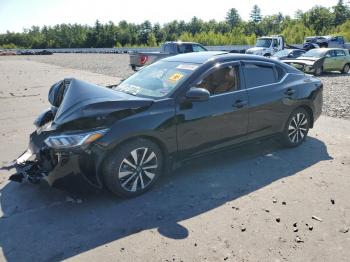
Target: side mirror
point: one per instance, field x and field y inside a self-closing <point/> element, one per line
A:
<point x="197" y="94"/>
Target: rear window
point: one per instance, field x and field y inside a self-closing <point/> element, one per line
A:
<point x="167" y="48"/>
<point x="258" y="75"/>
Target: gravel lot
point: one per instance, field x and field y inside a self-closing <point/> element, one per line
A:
<point x="336" y="85"/>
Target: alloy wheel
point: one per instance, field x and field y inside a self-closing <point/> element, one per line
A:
<point x="298" y="127"/>
<point x="137" y="170"/>
<point x="318" y="71"/>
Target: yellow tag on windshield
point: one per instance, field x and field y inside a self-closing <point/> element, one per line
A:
<point x="175" y="77"/>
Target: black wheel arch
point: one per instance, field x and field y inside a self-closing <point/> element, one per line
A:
<point x="104" y="154"/>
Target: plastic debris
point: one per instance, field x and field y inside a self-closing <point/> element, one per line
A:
<point x="317" y="218"/>
<point x="299" y="240"/>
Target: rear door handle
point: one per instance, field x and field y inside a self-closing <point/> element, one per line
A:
<point x="239" y="103"/>
<point x="289" y="92"/>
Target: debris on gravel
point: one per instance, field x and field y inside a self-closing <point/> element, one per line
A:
<point x="317" y="218"/>
<point x="299" y="240"/>
<point x="344" y="230"/>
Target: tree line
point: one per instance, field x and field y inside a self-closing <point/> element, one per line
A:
<point x="231" y="31"/>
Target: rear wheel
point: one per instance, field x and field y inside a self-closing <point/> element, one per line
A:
<point x="133" y="168"/>
<point x="296" y="128"/>
<point x="346" y="69"/>
<point x="318" y="71"/>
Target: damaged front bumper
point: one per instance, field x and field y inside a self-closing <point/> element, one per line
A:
<point x="42" y="163"/>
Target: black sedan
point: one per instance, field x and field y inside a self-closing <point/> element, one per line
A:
<point x="124" y="137"/>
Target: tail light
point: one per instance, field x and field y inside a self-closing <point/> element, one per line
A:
<point x="143" y="59"/>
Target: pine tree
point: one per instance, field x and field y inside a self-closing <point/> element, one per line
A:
<point x="233" y="18"/>
<point x="255" y="15"/>
<point x="341" y="13"/>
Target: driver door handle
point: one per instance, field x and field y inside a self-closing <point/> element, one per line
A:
<point x="240" y="103"/>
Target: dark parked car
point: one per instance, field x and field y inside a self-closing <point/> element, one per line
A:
<point x="175" y="109"/>
<point x="288" y="53"/>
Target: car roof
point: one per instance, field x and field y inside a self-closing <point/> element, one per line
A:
<point x="181" y="42"/>
<point x="214" y="56"/>
<point x="194" y="57"/>
<point x="221" y="57"/>
<point x="329" y="49"/>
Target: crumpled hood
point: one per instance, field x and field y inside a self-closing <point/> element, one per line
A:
<point x="83" y="100"/>
<point x="302" y="60"/>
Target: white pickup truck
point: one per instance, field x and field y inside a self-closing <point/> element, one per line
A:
<point x="267" y="46"/>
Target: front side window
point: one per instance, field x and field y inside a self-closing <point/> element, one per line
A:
<point x="198" y="48"/>
<point x="275" y="43"/>
<point x="222" y="80"/>
<point x="258" y="75"/>
<point x="331" y="53"/>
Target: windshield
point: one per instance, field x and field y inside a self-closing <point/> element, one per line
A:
<point x="158" y="79"/>
<point x="263" y="42"/>
<point x="282" y="53"/>
<point x="314" y="53"/>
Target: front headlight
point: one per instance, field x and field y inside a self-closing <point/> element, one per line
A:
<point x="74" y="140"/>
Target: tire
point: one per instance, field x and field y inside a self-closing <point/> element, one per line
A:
<point x="345" y="69"/>
<point x="296" y="128"/>
<point x="133" y="168"/>
<point x="318" y="71"/>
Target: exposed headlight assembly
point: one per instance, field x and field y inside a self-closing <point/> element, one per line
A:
<point x="74" y="140"/>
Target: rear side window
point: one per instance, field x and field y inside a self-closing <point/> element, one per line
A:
<point x="258" y="75"/>
<point x="340" y="53"/>
<point x="185" y="48"/>
<point x="168" y="48"/>
<point x="198" y="48"/>
<point x="280" y="72"/>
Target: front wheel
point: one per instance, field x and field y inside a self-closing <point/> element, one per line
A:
<point x="296" y="128"/>
<point x="133" y="168"/>
<point x="318" y="71"/>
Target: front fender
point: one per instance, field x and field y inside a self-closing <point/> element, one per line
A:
<point x="157" y="122"/>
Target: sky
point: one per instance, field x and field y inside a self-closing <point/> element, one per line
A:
<point x="15" y="15"/>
